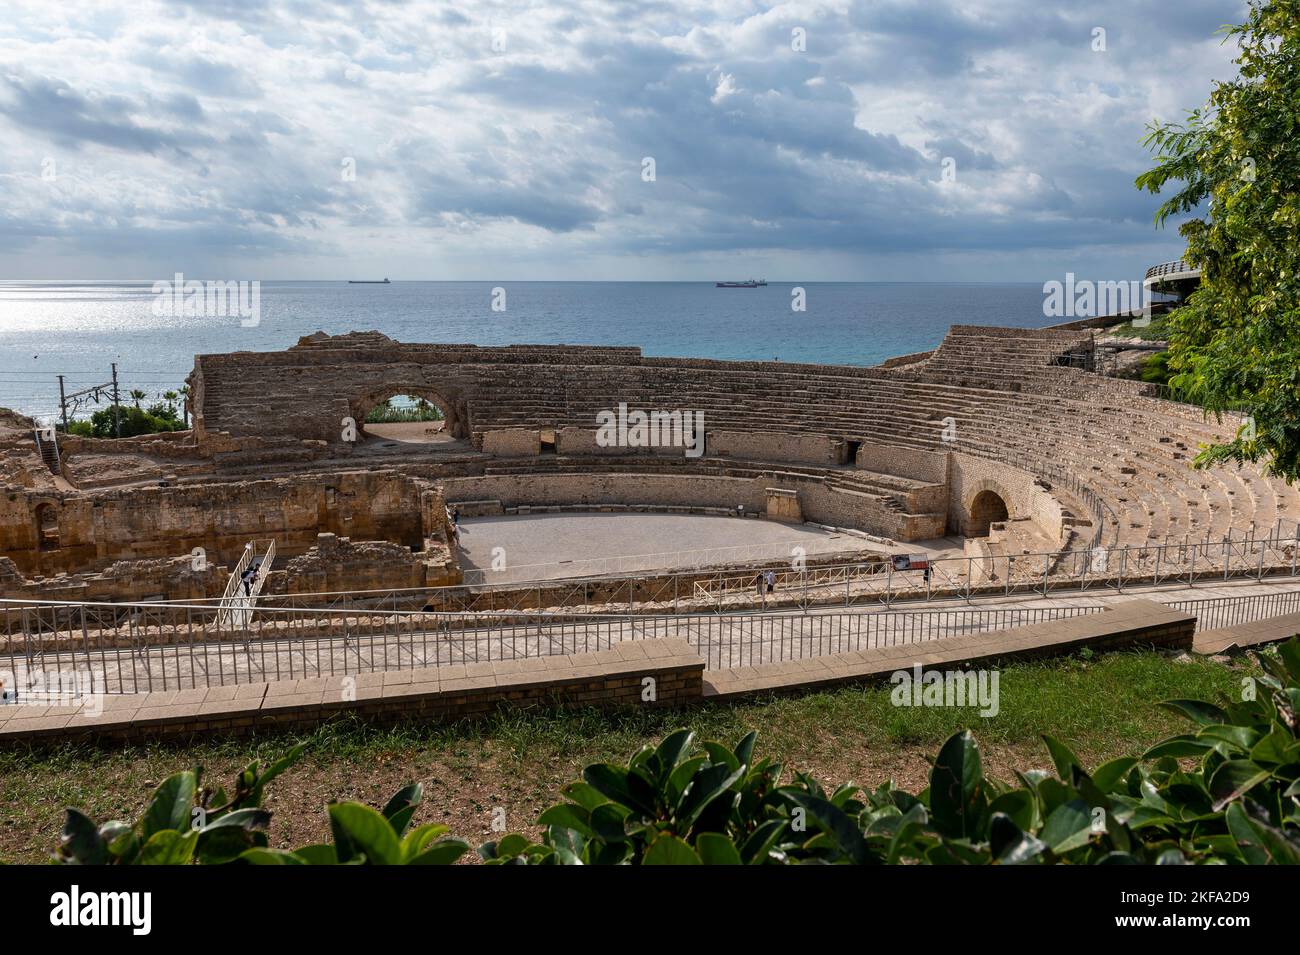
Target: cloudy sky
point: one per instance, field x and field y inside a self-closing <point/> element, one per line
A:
<point x="478" y="140"/>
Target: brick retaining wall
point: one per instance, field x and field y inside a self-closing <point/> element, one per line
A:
<point x="606" y="679"/>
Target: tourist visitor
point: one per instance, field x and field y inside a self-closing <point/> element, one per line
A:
<point x="6" y="694"/>
<point x="770" y="579"/>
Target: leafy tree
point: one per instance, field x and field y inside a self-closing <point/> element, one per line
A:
<point x="388" y="413"/>
<point x="164" y="412"/>
<point x="1156" y="368"/>
<point x="135" y="421"/>
<point x="1236" y="342"/>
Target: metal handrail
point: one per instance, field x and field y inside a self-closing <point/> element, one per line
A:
<point x="144" y="647"/>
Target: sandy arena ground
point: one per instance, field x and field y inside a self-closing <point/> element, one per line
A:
<point x="550" y="546"/>
<point x="411" y="432"/>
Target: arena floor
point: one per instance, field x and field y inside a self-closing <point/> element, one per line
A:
<point x="551" y="546"/>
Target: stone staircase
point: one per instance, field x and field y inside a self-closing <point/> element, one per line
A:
<point x="245" y="585"/>
<point x="48" y="448"/>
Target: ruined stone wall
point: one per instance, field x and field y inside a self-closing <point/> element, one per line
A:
<point x="818" y="502"/>
<point x="167" y="444"/>
<point x="20" y="464"/>
<point x="338" y="564"/>
<point x="904" y="462"/>
<point x="773" y="446"/>
<point x="512" y="442"/>
<point x="128" y="581"/>
<point x="160" y="522"/>
<point x="307" y="391"/>
<point x="766" y="446"/>
<point x="581" y="442"/>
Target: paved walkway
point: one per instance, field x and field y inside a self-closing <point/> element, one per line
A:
<point x="358" y="642"/>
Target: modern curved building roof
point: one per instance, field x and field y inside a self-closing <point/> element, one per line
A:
<point x="1168" y="273"/>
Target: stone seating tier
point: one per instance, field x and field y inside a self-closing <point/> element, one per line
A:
<point x="1004" y="391"/>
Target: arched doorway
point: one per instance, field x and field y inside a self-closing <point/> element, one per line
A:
<point x="47" y="527"/>
<point x="986" y="508"/>
<point x="408" y="419"/>
<point x="411" y="414"/>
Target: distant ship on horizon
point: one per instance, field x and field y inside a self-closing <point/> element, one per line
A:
<point x="748" y="283"/>
<point x="369" y="282"/>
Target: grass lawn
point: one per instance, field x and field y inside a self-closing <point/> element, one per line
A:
<point x="1103" y="707"/>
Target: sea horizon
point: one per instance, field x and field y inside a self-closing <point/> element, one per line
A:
<point x="79" y="327"/>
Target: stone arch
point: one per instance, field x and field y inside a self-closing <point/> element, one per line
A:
<point x="445" y="400"/>
<point x="47" y="526"/>
<point x="984" y="503"/>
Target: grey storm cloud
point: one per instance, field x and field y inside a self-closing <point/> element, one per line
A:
<point x="52" y="107"/>
<point x="316" y="127"/>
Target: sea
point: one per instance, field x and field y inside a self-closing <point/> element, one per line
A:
<point x="80" y="329"/>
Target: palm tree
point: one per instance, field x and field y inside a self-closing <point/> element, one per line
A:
<point x="170" y="398"/>
<point x="185" y="405"/>
<point x="138" y="396"/>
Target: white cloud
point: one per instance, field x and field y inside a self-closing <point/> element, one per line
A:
<point x="726" y="87"/>
<point x="187" y="133"/>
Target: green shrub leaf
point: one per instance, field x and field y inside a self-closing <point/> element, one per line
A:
<point x="1207" y="714"/>
<point x="82" y="843"/>
<point x="168" y="847"/>
<point x="170" y="807"/>
<point x="716" y="849"/>
<point x="1068" y="827"/>
<point x="367" y="831"/>
<point x="1232" y="779"/>
<point x="670" y="850"/>
<point x="957" y="787"/>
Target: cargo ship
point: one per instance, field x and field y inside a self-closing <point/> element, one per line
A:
<point x="369" y="282"/>
<point x="749" y="283"/>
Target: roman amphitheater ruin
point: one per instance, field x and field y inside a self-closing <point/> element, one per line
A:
<point x="998" y="474"/>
